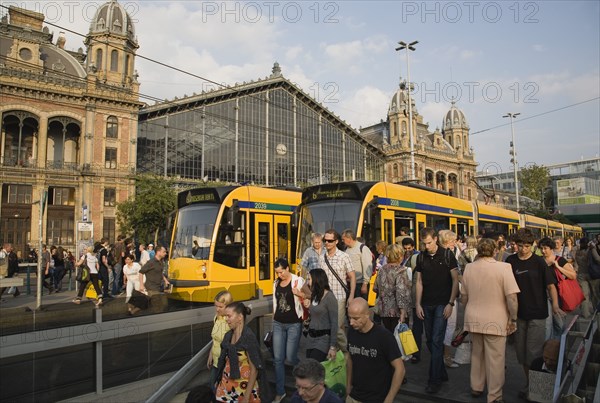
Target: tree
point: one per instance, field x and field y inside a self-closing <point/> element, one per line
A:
<point x="533" y="181"/>
<point x="144" y="215"/>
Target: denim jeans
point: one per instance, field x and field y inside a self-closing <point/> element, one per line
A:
<point x="435" y="329"/>
<point x="417" y="330"/>
<point x="117" y="284"/>
<point x="286" y="338"/>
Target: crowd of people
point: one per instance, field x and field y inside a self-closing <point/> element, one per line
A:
<point x="56" y="264"/>
<point x="502" y="286"/>
<point x="116" y="270"/>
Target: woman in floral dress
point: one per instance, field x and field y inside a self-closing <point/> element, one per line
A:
<point x="393" y="289"/>
<point x="240" y="362"/>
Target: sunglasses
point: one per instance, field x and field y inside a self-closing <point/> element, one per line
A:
<point x="329" y="240"/>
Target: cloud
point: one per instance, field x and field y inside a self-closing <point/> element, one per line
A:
<point x="352" y="56"/>
<point x="363" y="106"/>
<point x="293" y="52"/>
<point x="575" y="87"/>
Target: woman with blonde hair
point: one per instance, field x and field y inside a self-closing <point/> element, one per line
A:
<point x="220" y="327"/>
<point x="470" y="253"/>
<point x="393" y="289"/>
<point x="91" y="261"/>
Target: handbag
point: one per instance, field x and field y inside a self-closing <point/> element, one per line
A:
<point x="406" y="340"/>
<point x="335" y="374"/>
<point x="268" y="341"/>
<point x="83" y="274"/>
<point x="569" y="292"/>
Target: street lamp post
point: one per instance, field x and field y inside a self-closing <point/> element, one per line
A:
<point x="408" y="47"/>
<point x="514" y="155"/>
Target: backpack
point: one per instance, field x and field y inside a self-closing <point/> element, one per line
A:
<point x="373" y="257"/>
<point x="447" y="255"/>
<point x="593" y="267"/>
<point x="111" y="258"/>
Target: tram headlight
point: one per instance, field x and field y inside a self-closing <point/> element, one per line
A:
<point x="203" y="270"/>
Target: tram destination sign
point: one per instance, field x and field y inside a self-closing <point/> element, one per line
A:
<point x="199" y="195"/>
<point x="331" y="191"/>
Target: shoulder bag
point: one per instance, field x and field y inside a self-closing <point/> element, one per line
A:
<point x="337" y="276"/>
<point x="569" y="292"/>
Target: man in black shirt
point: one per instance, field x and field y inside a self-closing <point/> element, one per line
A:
<point x="153" y="270"/>
<point x="104" y="273"/>
<point x="437" y="289"/>
<point x="375" y="369"/>
<point x="536" y="281"/>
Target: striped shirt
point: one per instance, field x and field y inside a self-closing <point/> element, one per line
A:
<point x="340" y="262"/>
<point x="311" y="259"/>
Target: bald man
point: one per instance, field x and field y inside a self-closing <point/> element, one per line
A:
<point x="549" y="359"/>
<point x="374" y="353"/>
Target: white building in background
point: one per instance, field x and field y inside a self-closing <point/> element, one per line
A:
<point x="575" y="191"/>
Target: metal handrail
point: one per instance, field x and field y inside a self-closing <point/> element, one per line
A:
<point x="195" y="365"/>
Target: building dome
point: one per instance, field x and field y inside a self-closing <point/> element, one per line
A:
<point x="399" y="102"/>
<point x="112" y="18"/>
<point x="454" y="119"/>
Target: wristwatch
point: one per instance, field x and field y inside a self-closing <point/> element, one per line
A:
<point x="451" y="303"/>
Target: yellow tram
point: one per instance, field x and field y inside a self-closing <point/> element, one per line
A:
<point x="229" y="238"/>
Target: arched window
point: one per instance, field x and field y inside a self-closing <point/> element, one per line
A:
<point x="469" y="194"/>
<point x="395" y="172"/>
<point x="126" y="69"/>
<point x="99" y="59"/>
<point x="403" y="127"/>
<point x="112" y="127"/>
<point x="395" y="131"/>
<point x="114" y="61"/>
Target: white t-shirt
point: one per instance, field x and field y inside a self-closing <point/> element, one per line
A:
<point x="92" y="261"/>
<point x="132" y="272"/>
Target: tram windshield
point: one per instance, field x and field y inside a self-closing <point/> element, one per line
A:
<point x="194" y="230"/>
<point x="321" y="216"/>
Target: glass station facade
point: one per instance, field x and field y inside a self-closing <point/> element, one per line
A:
<point x="267" y="133"/>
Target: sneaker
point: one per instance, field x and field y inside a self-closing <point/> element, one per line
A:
<point x="77" y="301"/>
<point x="450" y="362"/>
<point x="278" y="398"/>
<point x="433" y="388"/>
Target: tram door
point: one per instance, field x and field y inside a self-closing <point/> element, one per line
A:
<point x="264" y="249"/>
<point x="387" y="223"/>
<point x="421" y="223"/>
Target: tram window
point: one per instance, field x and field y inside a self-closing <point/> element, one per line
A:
<point x="403" y="220"/>
<point x="231" y="246"/>
<point x="195" y="225"/>
<point x="264" y="255"/>
<point x="282" y="241"/>
<point x="438" y="223"/>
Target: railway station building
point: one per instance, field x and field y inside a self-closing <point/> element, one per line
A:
<point x="267" y="132"/>
<point x="68" y="126"/>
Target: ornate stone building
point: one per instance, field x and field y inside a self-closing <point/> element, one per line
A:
<point x="443" y="159"/>
<point x="69" y="126"/>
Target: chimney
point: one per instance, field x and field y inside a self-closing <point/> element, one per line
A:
<point x="25" y="18"/>
<point x="60" y="42"/>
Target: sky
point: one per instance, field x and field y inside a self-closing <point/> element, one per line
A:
<point x="537" y="58"/>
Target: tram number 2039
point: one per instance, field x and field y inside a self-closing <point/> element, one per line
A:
<point x="260" y="206"/>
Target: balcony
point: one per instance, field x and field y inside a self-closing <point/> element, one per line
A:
<point x="59" y="165"/>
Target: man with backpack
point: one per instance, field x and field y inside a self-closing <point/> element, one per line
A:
<point x="362" y="261"/>
<point x="437" y="289"/>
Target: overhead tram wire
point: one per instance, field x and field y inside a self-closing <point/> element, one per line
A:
<point x="137" y="55"/>
<point x="214" y="138"/>
<point x="536" y="115"/>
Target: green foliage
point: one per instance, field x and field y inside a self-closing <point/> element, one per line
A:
<point x="534" y="180"/>
<point x="144" y="215"/>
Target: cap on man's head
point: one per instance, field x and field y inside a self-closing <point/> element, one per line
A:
<point x="151" y="245"/>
